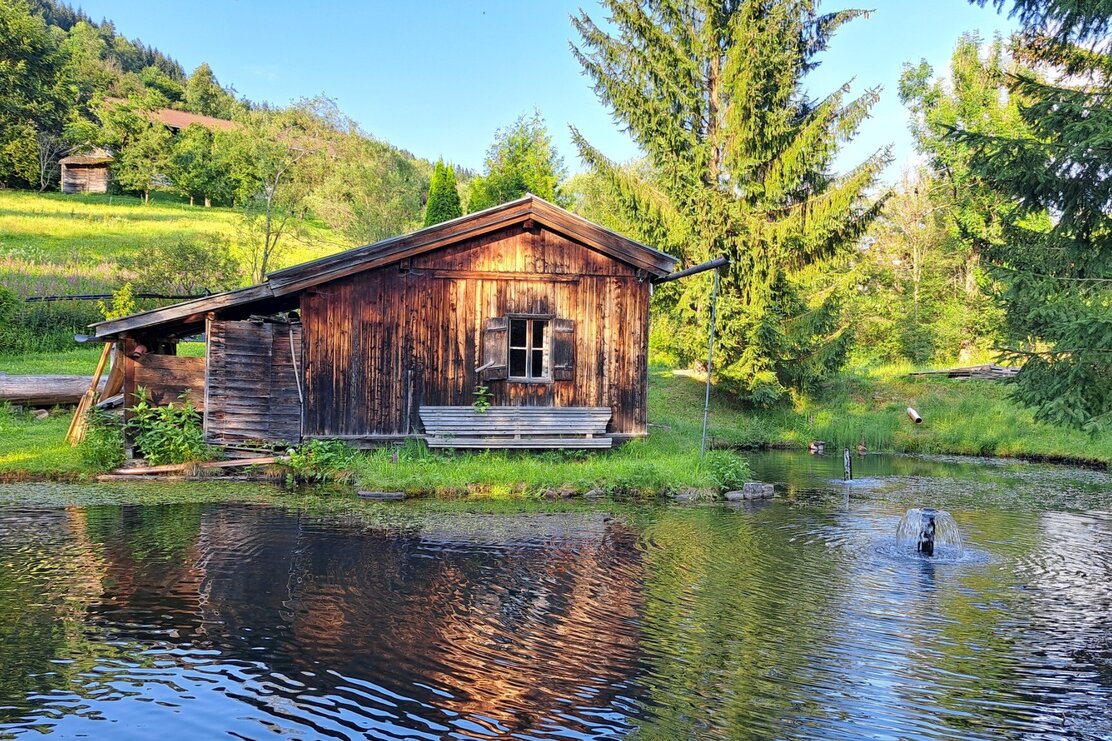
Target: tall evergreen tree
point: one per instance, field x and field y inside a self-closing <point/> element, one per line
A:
<point x="1054" y="252"/>
<point x="712" y="91"/>
<point x="443" y="203"/>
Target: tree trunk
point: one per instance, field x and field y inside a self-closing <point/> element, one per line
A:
<point x="208" y="202"/>
<point x="146" y="197"/>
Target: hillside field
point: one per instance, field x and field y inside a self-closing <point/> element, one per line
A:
<point x="55" y="244"/>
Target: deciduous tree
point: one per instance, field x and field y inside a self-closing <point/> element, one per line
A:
<point x="286" y="150"/>
<point x="521" y="160"/>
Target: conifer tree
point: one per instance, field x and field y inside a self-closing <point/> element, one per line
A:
<point x="1054" y="253"/>
<point x="712" y="91"/>
<point x="443" y="203"/>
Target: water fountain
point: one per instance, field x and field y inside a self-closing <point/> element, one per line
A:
<point x="929" y="529"/>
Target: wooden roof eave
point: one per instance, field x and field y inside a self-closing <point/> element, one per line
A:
<point x="187" y="312"/>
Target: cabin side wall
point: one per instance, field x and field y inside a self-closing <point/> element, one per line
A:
<point x="84" y="178"/>
<point x="165" y="376"/>
<point x="251" y="383"/>
<point x="378" y="345"/>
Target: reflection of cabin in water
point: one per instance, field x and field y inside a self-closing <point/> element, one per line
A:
<point x="544" y="309"/>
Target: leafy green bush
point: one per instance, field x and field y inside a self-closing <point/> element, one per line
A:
<point x="320" y="462"/>
<point x="726" y="469"/>
<point x="103" y="446"/>
<point x="168" y="434"/>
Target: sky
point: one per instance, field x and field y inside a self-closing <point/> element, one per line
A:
<point x="437" y="77"/>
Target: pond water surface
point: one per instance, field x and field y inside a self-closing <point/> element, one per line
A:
<point x="283" y="618"/>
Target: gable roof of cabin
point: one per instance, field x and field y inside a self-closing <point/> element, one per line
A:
<point x="356" y="260"/>
<point x="526" y="208"/>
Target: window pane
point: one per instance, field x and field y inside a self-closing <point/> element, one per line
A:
<point x="539" y="328"/>
<point x="517" y="362"/>
<point x="538" y="364"/>
<point x="518" y="332"/>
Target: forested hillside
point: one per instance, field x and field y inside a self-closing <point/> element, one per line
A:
<point x="220" y="204"/>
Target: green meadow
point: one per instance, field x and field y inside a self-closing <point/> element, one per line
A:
<point x="72" y="244"/>
<point x="54" y="244"/>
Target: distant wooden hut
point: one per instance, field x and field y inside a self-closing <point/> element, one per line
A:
<point x="520" y="326"/>
<point x="90" y="172"/>
<point x="86" y="172"/>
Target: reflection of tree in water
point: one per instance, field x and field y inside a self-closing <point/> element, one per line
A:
<point x="49" y="573"/>
<point x="735" y="611"/>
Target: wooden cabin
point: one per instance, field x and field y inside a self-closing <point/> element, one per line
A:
<point x="520" y="326"/>
<point x="85" y="173"/>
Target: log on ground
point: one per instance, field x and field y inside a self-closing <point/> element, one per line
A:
<point x="43" y="390"/>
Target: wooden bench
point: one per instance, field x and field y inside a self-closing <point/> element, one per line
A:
<point x="516" y="427"/>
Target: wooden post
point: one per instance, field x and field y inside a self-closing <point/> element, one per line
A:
<point x="847" y="465"/>
<point x="710" y="359"/>
<point x="76" y="432"/>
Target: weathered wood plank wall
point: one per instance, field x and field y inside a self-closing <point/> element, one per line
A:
<point x="382" y="343"/>
<point x="84" y="179"/>
<point x="166" y="378"/>
<point x="251" y="387"/>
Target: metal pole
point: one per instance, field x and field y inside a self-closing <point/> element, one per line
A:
<point x="710" y="360"/>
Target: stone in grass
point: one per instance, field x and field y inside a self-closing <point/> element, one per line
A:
<point x="40" y="414"/>
<point x="382" y="495"/>
<point x="594" y="494"/>
<point x="564" y="492"/>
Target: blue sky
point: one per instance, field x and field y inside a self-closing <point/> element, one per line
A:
<point x="438" y="77"/>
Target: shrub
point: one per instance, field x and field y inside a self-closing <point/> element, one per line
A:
<point x="103" y="446"/>
<point x="41" y="327"/>
<point x="168" y="434"/>
<point x="320" y="462"/>
<point x="726" y="469"/>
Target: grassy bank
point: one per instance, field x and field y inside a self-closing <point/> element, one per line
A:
<point x="960" y="417"/>
<point x="52" y="243"/>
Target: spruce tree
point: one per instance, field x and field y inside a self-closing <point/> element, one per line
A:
<point x="713" y="93"/>
<point x="443" y="203"/>
<point x="1053" y="256"/>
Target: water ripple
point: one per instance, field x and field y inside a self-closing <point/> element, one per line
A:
<point x="786" y="619"/>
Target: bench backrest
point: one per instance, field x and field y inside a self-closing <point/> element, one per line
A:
<point x="516" y="420"/>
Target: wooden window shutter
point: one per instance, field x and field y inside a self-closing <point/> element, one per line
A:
<point x="496" y="347"/>
<point x="563" y="350"/>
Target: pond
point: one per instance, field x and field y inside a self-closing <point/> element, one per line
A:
<point x="304" y="617"/>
